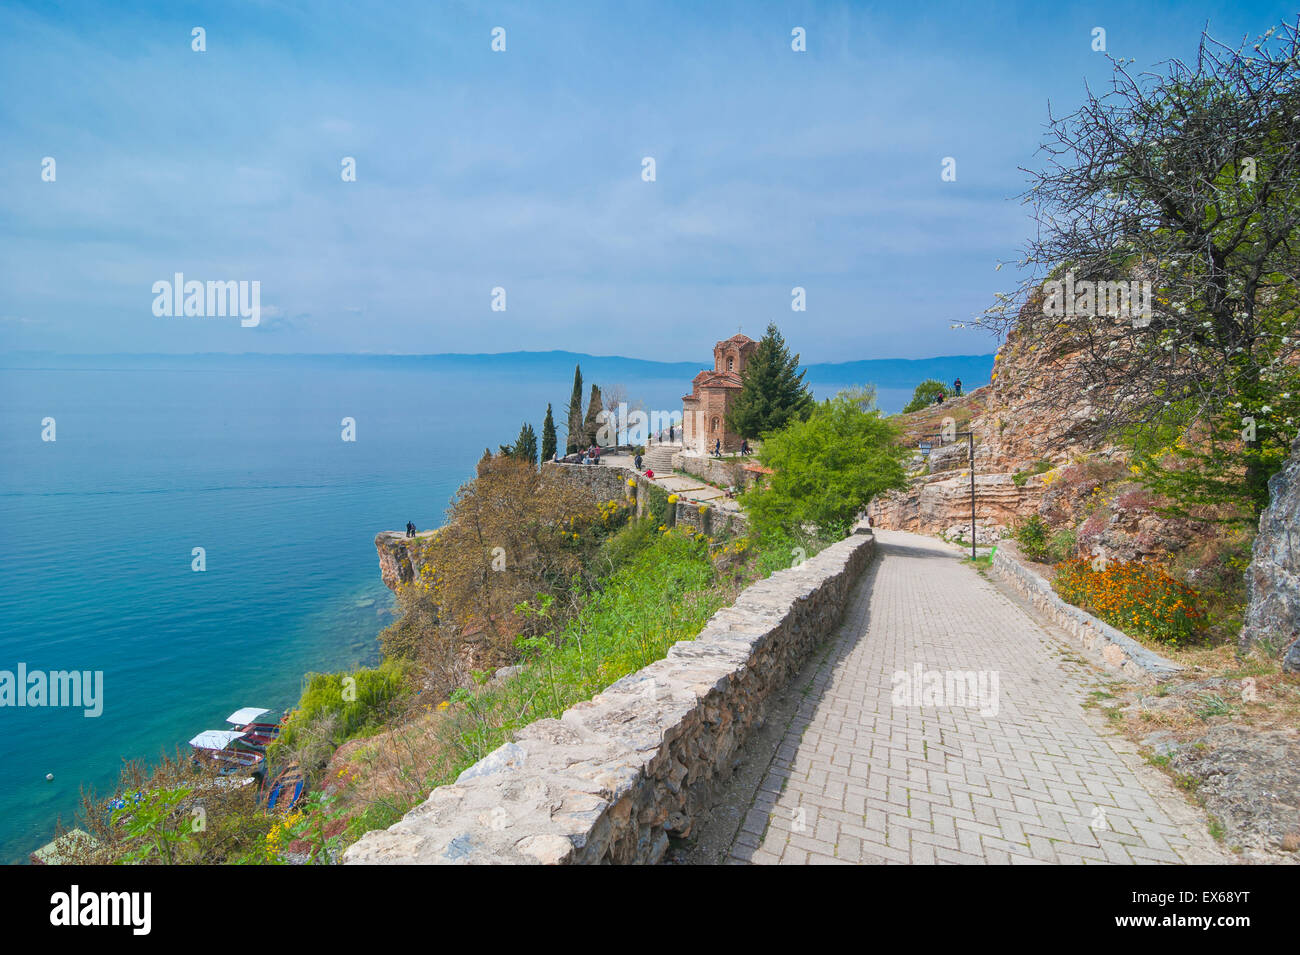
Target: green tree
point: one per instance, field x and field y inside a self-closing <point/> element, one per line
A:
<point x="925" y="394"/>
<point x="827" y="467"/>
<point x="773" y="393"/>
<point x="573" y="436"/>
<point x="525" y="446"/>
<point x="591" y="424"/>
<point x="548" y="435"/>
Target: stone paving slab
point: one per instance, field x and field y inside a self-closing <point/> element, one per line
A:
<point x="967" y="770"/>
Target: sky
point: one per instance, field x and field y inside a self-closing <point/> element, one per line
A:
<point x="522" y="169"/>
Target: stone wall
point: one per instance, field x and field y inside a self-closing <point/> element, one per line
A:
<point x="714" y="521"/>
<point x="1273" y="578"/>
<point x="615" y="777"/>
<point x="1102" y="642"/>
<point x="603" y="482"/>
<point x="724" y="471"/>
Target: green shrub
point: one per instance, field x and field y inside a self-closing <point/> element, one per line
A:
<point x="657" y="505"/>
<point x="1040" y="467"/>
<point x="827" y="468"/>
<point x="1062" y="545"/>
<point x="624" y="546"/>
<point x="1031" y="535"/>
<point x="925" y="394"/>
<point x="336" y="707"/>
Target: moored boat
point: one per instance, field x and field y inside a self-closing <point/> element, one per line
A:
<point x="258" y="727"/>
<point x="286" y="789"/>
<point x="227" y="748"/>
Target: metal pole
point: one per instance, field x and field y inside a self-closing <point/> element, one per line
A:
<point x="970" y="438"/>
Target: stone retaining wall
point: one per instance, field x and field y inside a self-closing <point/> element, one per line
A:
<point x="716" y="521"/>
<point x="1103" y="643"/>
<point x="604" y="482"/>
<point x="724" y="471"/>
<point x="615" y="777"/>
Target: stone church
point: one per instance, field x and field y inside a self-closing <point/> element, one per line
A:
<point x="704" y="410"/>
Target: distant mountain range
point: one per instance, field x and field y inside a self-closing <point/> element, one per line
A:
<point x="973" y="370"/>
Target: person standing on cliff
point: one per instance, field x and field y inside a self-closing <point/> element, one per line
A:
<point x="956" y="388"/>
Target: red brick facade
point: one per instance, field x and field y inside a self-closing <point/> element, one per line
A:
<point x="704" y="410"/>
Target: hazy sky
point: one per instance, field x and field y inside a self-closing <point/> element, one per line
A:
<point x="523" y="169"/>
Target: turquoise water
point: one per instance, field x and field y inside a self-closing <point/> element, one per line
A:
<point x="241" y="456"/>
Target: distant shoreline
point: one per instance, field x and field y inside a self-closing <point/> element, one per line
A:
<point x="882" y="372"/>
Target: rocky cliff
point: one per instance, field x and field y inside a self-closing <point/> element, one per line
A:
<point x="1273" y="579"/>
<point x="1024" y="435"/>
<point x="400" y="557"/>
<point x="1037" y="452"/>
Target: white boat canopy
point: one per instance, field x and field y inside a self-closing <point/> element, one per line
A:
<point x="245" y="716"/>
<point x="215" y="739"/>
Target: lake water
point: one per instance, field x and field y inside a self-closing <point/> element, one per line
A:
<point x="241" y="456"/>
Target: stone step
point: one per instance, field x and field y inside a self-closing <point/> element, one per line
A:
<point x="659" y="457"/>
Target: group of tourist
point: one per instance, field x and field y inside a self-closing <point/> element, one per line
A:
<point x="590" y="456"/>
<point x="410" y="529"/>
<point x="745" y="450"/>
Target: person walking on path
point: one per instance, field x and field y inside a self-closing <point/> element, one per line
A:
<point x="637" y="462"/>
<point x="717" y="448"/>
<point x="744" y="447"/>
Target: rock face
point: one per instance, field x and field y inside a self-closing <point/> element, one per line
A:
<point x="1273" y="578"/>
<point x="1037" y="452"/>
<point x="400" y="557"/>
<point x="615" y="777"/>
<point x="1250" y="781"/>
<point x="1017" y="432"/>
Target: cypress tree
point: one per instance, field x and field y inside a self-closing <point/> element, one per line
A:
<point x="590" y="425"/>
<point x="773" y="392"/>
<point x="548" y="435"/>
<point x="525" y="446"/>
<point x="574" y="434"/>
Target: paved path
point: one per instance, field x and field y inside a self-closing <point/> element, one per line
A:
<point x="860" y="778"/>
<point x="686" y="485"/>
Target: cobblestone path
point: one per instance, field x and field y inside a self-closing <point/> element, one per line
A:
<point x="867" y="773"/>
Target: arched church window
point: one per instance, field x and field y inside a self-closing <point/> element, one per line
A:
<point x="730" y="362"/>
